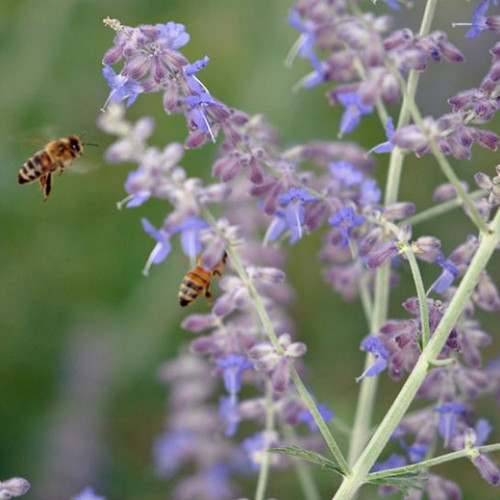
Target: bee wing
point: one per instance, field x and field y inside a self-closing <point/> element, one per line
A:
<point x="81" y="167"/>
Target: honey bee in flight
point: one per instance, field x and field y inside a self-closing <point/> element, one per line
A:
<point x="56" y="155"/>
<point x="197" y="282"/>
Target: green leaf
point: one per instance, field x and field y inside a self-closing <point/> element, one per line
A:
<point x="403" y="480"/>
<point x="310" y="456"/>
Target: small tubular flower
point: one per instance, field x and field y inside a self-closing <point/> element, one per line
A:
<point x="162" y="248"/>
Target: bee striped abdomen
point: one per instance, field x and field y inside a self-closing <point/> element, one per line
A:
<point x="193" y="285"/>
<point x="35" y="167"/>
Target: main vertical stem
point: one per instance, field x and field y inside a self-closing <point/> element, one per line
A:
<point x="367" y="393"/>
<point x="368" y="389"/>
<point x="394" y="415"/>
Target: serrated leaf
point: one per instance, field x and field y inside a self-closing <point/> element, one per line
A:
<point x="402" y="481"/>
<point x="310" y="456"/>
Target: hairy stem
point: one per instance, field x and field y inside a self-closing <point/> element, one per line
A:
<point x="273" y="338"/>
<point x="364" y="409"/>
<point x="422" y="299"/>
<point x="441" y="209"/>
<point x="393" y="417"/>
<point x="432" y="462"/>
<point x="264" y="465"/>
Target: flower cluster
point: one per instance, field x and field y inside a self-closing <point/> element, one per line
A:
<point x="242" y="377"/>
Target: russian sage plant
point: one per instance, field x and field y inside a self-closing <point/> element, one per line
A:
<point x="238" y="402"/>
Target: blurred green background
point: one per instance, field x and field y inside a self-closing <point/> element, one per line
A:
<point x="82" y="332"/>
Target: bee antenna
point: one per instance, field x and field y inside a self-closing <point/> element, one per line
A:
<point x="83" y="134"/>
<point x="90" y="144"/>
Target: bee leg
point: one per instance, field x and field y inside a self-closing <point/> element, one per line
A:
<point x="208" y="295"/>
<point x="46" y="182"/>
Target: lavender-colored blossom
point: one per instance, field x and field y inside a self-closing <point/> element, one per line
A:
<point x="379" y="255"/>
<point x="14" y="487"/>
<point x="256" y="447"/>
<point x="190" y="235"/>
<point x="293" y="201"/>
<point x="346" y="173"/>
<point x="229" y="414"/>
<point x="373" y="345"/>
<point x="388" y="146"/>
<point x="122" y="87"/>
<point x="308" y="37"/>
<point x="483" y="429"/>
<point x="306" y="417"/>
<point x="344" y="221"/>
<point x="393" y="4"/>
<point x="394" y="461"/>
<point x="162" y="248"/>
<point x="446" y="277"/>
<point x="171" y="450"/>
<point x="448" y="419"/>
<point x="479" y="20"/>
<point x="233" y="366"/>
<point x="88" y="494"/>
<point x="354" y="110"/>
<point x="487" y="468"/>
<point x="369" y="193"/>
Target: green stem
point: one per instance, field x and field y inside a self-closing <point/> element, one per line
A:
<point x="441" y="209"/>
<point x="311" y="406"/>
<point x="422" y="299"/>
<point x="432" y="462"/>
<point x="273" y="338"/>
<point x="264" y="465"/>
<point x="393" y="417"/>
<point x="364" y="409"/>
<point x="440" y="157"/>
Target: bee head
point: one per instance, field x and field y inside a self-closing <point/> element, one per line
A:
<point x="75" y="144"/>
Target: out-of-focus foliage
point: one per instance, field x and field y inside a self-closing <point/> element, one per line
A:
<point x="81" y="330"/>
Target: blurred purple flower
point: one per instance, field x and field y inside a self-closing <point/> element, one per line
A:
<point x="344" y="220"/>
<point x="88" y="494"/>
<point x="162" y="247"/>
<point x="233" y="366"/>
<point x="190" y="235"/>
<point x="306" y="417"/>
<point x="448" y="419"/>
<point x="354" y="109"/>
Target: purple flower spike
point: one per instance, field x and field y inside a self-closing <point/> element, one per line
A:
<point x="478" y="19"/>
<point x="307" y="418"/>
<point x="344" y="221"/>
<point x="354" y="109"/>
<point x="190" y="235"/>
<point x="162" y="247"/>
<point x="121" y="87"/>
<point x="294" y="201"/>
<point x="233" y="365"/>
<point x="388" y="146"/>
<point x="448" y="419"/>
<point x="373" y="345"/>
